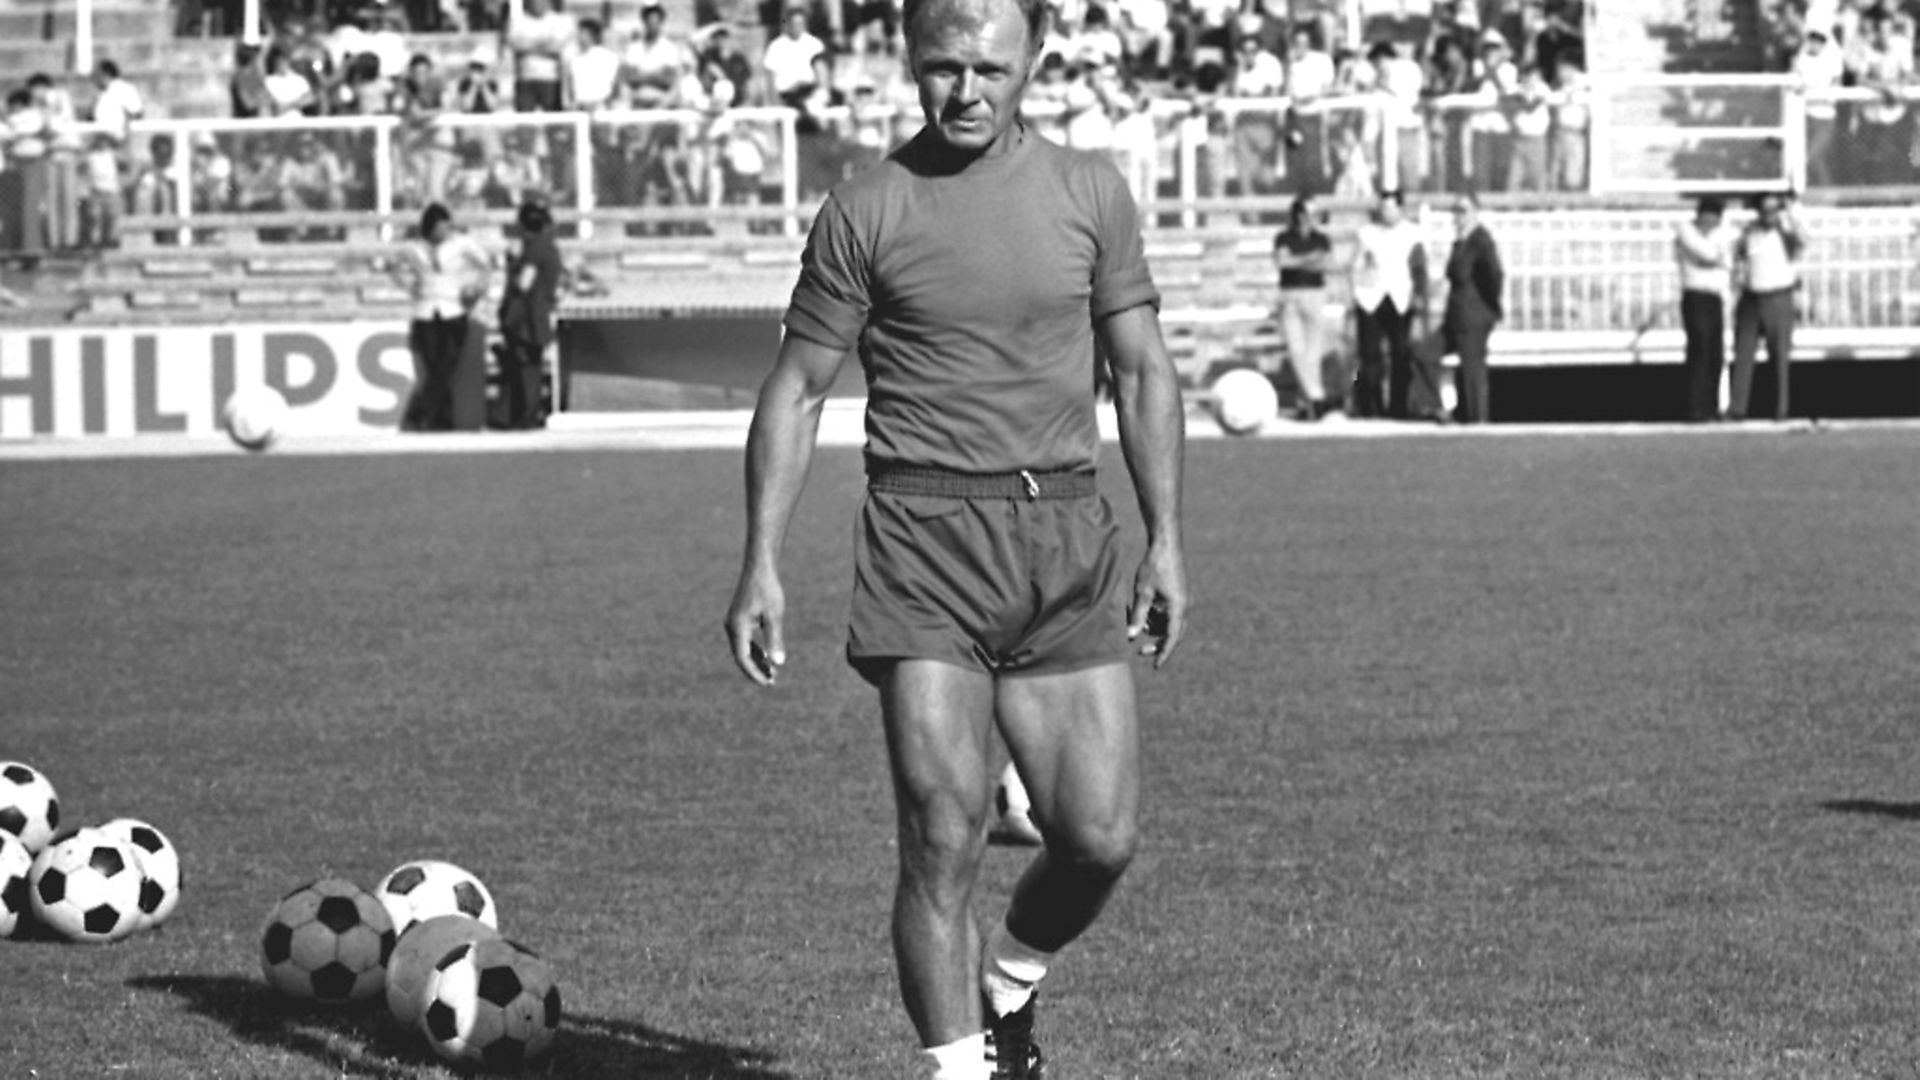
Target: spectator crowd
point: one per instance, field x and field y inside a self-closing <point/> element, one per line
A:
<point x="1281" y="96"/>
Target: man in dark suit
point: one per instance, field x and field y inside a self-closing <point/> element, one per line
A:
<point x="1475" y="280"/>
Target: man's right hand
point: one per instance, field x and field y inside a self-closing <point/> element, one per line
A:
<point x="754" y="626"/>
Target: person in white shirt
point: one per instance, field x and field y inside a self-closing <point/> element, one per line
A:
<point x="1532" y="121"/>
<point x="1705" y="260"/>
<point x="1766" y="264"/>
<point x="117" y="103"/>
<point x="1310" y="76"/>
<point x="446" y="273"/>
<point x="540" y="40"/>
<point x="1389" y="283"/>
<point x="1497" y="84"/>
<point x="1399" y="80"/>
<point x="1572" y="117"/>
<point x="1818" y="71"/>
<point x="788" y="59"/>
<point x="593" y="69"/>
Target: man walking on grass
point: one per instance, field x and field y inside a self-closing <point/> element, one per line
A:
<point x="975" y="269"/>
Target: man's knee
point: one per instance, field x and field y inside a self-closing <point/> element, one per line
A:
<point x="1104" y="848"/>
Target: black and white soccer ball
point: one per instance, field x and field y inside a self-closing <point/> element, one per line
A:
<point x="87" y="888"/>
<point x="29" y="808"/>
<point x="418" y="950"/>
<point x="420" y="890"/>
<point x="159" y="867"/>
<point x="255" y="417"/>
<point x="16" y="874"/>
<point x="491" y="1003"/>
<point x="327" y="942"/>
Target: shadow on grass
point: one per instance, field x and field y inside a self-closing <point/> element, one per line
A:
<point x="1899" y="811"/>
<point x="365" y="1042"/>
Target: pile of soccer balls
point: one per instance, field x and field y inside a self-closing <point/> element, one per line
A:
<point x="90" y="885"/>
<point x="427" y="940"/>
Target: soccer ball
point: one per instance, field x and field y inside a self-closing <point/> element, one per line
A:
<point x="419" y="949"/>
<point x="159" y="867"/>
<point x="419" y="890"/>
<point x="87" y="887"/>
<point x="327" y="941"/>
<point x="255" y="417"/>
<point x="1014" y="810"/>
<point x="1243" y="400"/>
<point x="29" y="809"/>
<point x="16" y="871"/>
<point x="491" y="1003"/>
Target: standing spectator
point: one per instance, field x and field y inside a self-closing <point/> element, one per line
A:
<point x="534" y="272"/>
<point x="1532" y="124"/>
<point x="151" y="191"/>
<point x="1400" y="81"/>
<point x="66" y="147"/>
<point x="445" y="272"/>
<point x="592" y="69"/>
<point x="1303" y="253"/>
<point x="1706" y="274"/>
<point x="788" y="59"/>
<point x="1475" y="283"/>
<point x="477" y="93"/>
<point x="105" y="194"/>
<point x="654" y="63"/>
<point x="1883" y="136"/>
<point x="1572" y="117"/>
<point x="1146" y="27"/>
<point x="1310" y="76"/>
<point x="117" y="103"/>
<point x="288" y="91"/>
<point x="24" y="183"/>
<point x="426" y="147"/>
<point x="1136" y="145"/>
<point x="721" y="57"/>
<point x="387" y="40"/>
<point x="1449" y="75"/>
<point x="1818" y="71"/>
<point x="247" y="89"/>
<point x="1257" y="143"/>
<point x="1765" y="263"/>
<point x="539" y="39"/>
<point x="1389" y="275"/>
<point x="1496" y="83"/>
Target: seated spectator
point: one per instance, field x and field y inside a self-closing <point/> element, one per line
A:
<point x="1882" y="139"/>
<point x="309" y="177"/>
<point x="471" y="178"/>
<point x="150" y="191"/>
<point x="1146" y="31"/>
<point x="519" y="174"/>
<point x="1097" y="42"/>
<point x="387" y="39"/>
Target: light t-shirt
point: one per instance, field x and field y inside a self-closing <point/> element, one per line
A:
<point x="972" y="296"/>
<point x="789" y="61"/>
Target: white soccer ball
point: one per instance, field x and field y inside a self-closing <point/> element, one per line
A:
<point x="420" y="948"/>
<point x="255" y="417"/>
<point x="491" y="1003"/>
<point x="419" y="890"/>
<point x="159" y="867"/>
<point x="327" y="941"/>
<point x="29" y="808"/>
<point x="16" y="881"/>
<point x="87" y="888"/>
<point x="1243" y="400"/>
<point x="1013" y="823"/>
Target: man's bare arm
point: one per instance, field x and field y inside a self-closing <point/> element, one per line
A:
<point x="1152" y="419"/>
<point x="786" y="421"/>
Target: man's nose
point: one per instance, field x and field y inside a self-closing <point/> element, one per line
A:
<point x="967" y="90"/>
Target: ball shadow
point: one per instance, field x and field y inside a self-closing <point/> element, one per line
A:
<point x="366" y="1042"/>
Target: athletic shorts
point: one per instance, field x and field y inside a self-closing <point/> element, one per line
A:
<point x="1002" y="583"/>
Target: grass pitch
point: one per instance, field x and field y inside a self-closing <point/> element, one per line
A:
<point x="1524" y="756"/>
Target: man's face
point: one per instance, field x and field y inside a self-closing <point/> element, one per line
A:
<point x="535" y="8"/>
<point x="1769" y="212"/>
<point x="1390" y="211"/>
<point x="972" y="70"/>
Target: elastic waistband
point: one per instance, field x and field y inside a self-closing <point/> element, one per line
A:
<point x="1025" y="484"/>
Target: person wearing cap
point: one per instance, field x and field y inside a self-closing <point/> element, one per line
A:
<point x="981" y="272"/>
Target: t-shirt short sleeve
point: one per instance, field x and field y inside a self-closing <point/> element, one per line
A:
<point x="1121" y="278"/>
<point x="831" y="300"/>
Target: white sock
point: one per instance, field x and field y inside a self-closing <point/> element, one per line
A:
<point x="1009" y="970"/>
<point x="962" y="1059"/>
